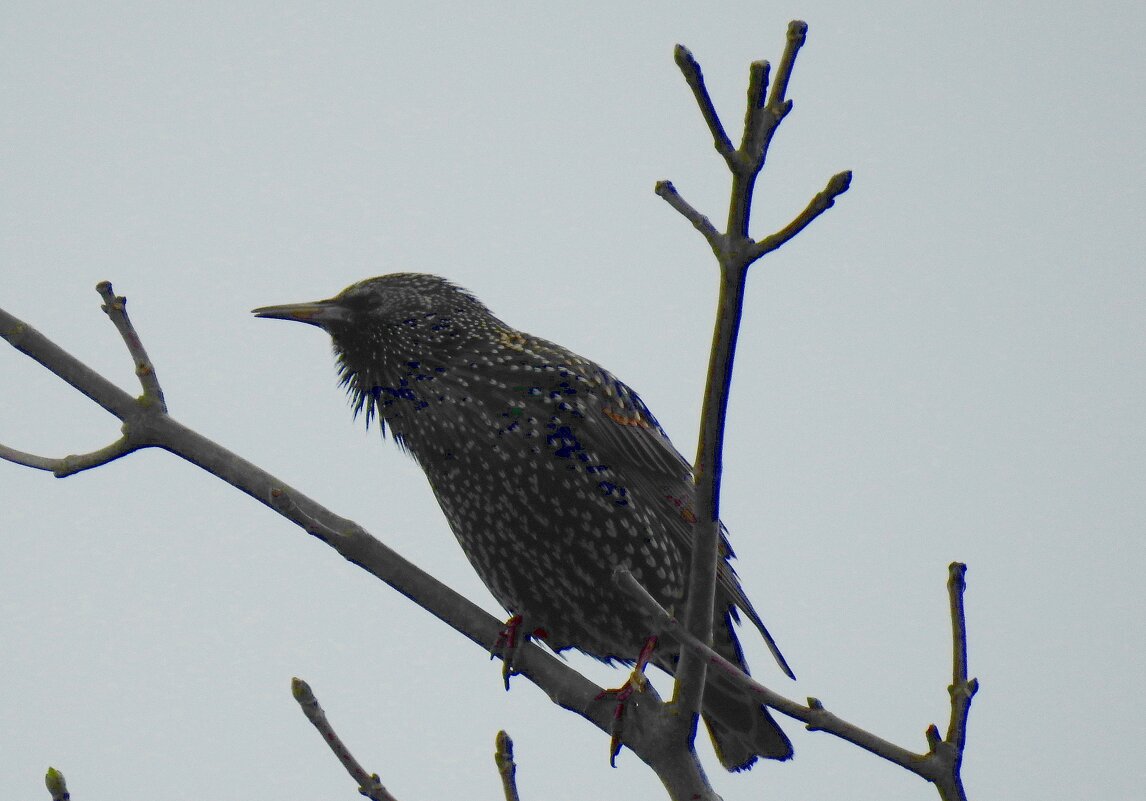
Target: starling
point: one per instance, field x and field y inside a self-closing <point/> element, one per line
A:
<point x="551" y="473"/>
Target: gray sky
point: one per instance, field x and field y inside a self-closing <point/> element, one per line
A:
<point x="948" y="365"/>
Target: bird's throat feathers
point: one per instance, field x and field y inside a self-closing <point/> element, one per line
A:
<point x="399" y="373"/>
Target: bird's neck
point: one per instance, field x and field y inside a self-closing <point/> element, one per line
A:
<point x="405" y="381"/>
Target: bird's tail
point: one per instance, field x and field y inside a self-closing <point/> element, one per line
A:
<point x="742" y="730"/>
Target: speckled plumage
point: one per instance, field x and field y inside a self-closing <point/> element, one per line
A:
<point x="550" y="471"/>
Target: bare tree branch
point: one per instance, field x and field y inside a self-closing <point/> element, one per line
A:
<point x="837" y="185"/>
<point x="73" y="463"/>
<point x="82" y="378"/>
<point x="369" y="784"/>
<point x="695" y="79"/>
<point x="115" y="306"/>
<point x="666" y="190"/>
<point x="757" y="88"/>
<point x="506" y="767"/>
<point x="941" y="765"/>
<point x="735" y="251"/>
<point x="962" y="690"/>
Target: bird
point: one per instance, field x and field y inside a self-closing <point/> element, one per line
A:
<point x="551" y="472"/>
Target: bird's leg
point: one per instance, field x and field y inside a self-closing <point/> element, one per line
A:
<point x="509" y="640"/>
<point x="636" y="683"/>
<point x="506" y="647"/>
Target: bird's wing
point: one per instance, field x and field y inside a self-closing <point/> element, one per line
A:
<point x="618" y="423"/>
<point x="630" y="428"/>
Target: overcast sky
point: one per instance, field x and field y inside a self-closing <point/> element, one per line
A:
<point x="949" y="365"/>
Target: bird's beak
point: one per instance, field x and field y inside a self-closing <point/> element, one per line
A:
<point x="318" y="312"/>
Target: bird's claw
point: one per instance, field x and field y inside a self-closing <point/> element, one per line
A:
<point x="635" y="684"/>
<point x="505" y="646"/>
<point x="508" y="644"/>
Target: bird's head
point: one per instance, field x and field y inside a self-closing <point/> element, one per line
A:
<point x="402" y="300"/>
<point x="392" y="328"/>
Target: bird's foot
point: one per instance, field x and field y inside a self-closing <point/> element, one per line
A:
<point x="636" y="683"/>
<point x="508" y="643"/>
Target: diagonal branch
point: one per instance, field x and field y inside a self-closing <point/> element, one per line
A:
<point x="837" y="185"/>
<point x="150" y="426"/>
<point x="369" y="784"/>
<point x="87" y="381"/>
<point x="695" y="79"/>
<point x="115" y="306"/>
<point x="666" y="190"/>
<point x="940" y="765"/>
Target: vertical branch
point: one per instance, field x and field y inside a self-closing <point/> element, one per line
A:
<point x="962" y="689"/>
<point x="760" y="123"/>
<point x="699" y="613"/>
<point x="735" y="251"/>
<point x="506" y="767"/>
<point x="956" y="588"/>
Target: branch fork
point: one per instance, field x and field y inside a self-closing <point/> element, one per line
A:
<point x="136" y="415"/>
<point x="940" y="765"/>
<point x="735" y="251"/>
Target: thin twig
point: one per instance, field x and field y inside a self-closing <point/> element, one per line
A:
<point x="695" y="79"/>
<point x="73" y="463"/>
<point x="961" y="690"/>
<point x="797" y="36"/>
<point x="506" y="767"/>
<point x="115" y="306"/>
<point x="29" y="459"/>
<point x="701" y="223"/>
<point x="757" y="89"/>
<point x="814" y="715"/>
<point x="937" y="765"/>
<point x="837" y="185"/>
<point x="369" y="784"/>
